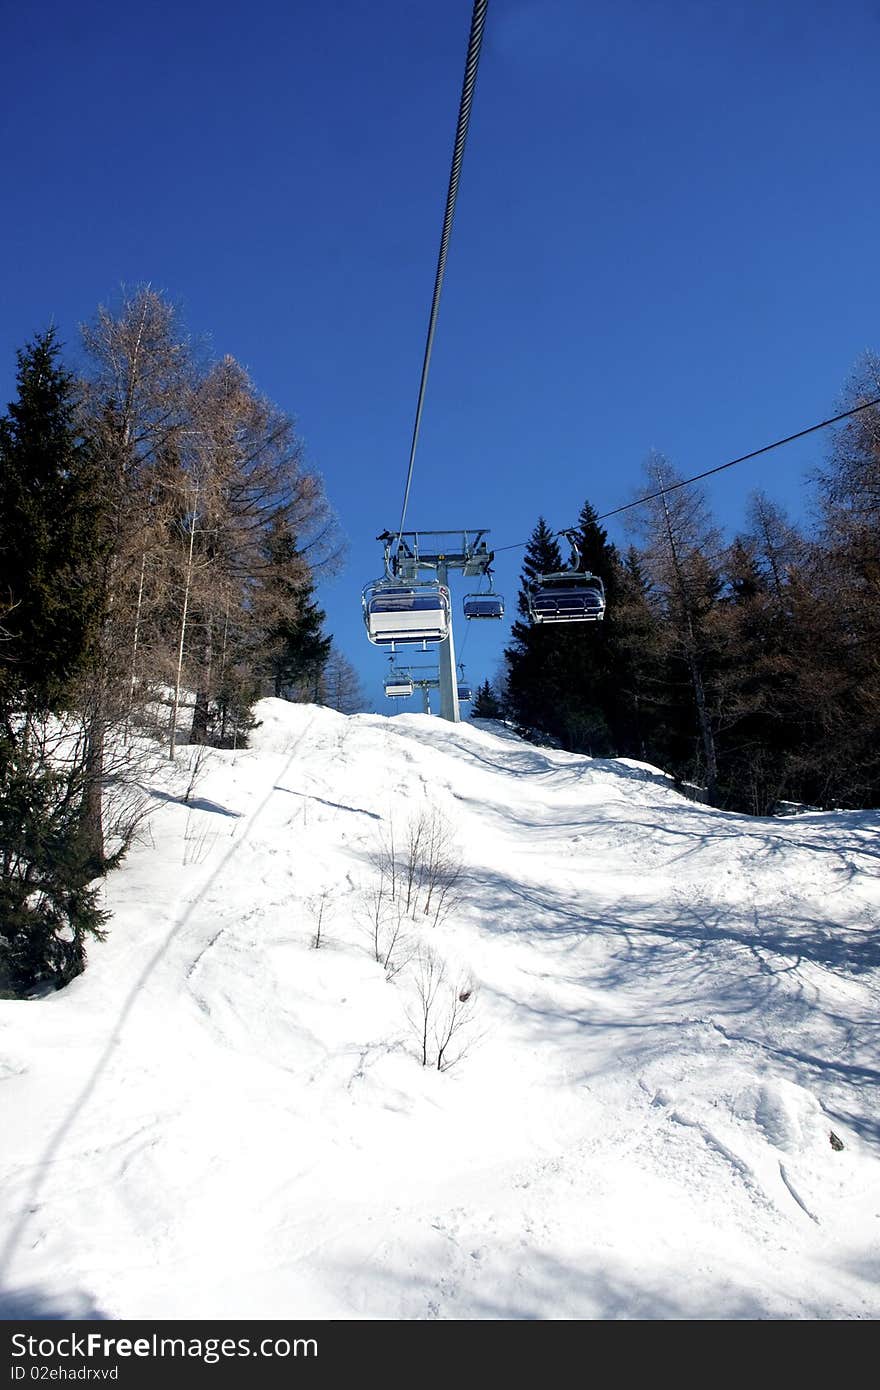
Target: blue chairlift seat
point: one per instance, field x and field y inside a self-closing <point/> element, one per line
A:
<point x="465" y="692"/>
<point x="398" y="612"/>
<point x="483" y="606"/>
<point x="567" y="597"/>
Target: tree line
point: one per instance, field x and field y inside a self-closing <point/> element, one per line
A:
<point x="161" y="537"/>
<point x="750" y="668"/>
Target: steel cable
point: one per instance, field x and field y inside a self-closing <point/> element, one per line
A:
<point x="719" y="468"/>
<point x="475" y="41"/>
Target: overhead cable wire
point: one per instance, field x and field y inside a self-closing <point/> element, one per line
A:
<point x="464" y="642"/>
<point x="475" y="41"/>
<point x="743" y="458"/>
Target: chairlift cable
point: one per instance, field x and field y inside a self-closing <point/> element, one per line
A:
<point x="697" y="477"/>
<point x="478" y="19"/>
<point x="777" y="444"/>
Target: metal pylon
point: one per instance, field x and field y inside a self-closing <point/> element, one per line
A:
<point x="436" y="553"/>
<point x="446" y="663"/>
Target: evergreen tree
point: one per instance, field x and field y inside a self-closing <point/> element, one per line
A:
<point x="593" y="700"/>
<point x="294" y="639"/>
<point x="559" y="676"/>
<point x="598" y="555"/>
<point x="486" y="704"/>
<point x="774" y="743"/>
<point x="638" y="693"/>
<point x="53" y="537"/>
<point x="48" y="904"/>
<point x="533" y="677"/>
<point x="752" y="684"/>
<point x="52" y="564"/>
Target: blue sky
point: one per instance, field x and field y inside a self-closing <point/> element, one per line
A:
<point x="666" y="236"/>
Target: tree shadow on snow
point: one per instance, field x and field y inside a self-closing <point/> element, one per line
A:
<point x="195" y="803"/>
<point x="739" y="975"/>
<point x="334" y="805"/>
<point x="522" y="760"/>
<point x="516" y="1283"/>
<point x="779" y="941"/>
<point x="38" y="1305"/>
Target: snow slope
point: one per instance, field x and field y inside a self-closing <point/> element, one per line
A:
<point x="675" y="1008"/>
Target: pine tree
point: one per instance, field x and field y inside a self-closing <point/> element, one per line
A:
<point x="53" y="536"/>
<point x="774" y="743"/>
<point x="598" y="555"/>
<point x="751" y="681"/>
<point x="638" y="711"/>
<point x="559" y="677"/>
<point x="48" y="904"/>
<point x="53" y="550"/>
<point x="296" y="646"/>
<point x="593" y="699"/>
<point x="486" y="704"/>
<point x="533" y="676"/>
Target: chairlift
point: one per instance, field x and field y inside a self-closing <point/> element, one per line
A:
<point x="483" y="606"/>
<point x="568" y="596"/>
<point x="398" y="685"/>
<point x="397" y="612"/>
<point x="464" y="690"/>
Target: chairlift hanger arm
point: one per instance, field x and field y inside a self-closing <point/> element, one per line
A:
<point x="572" y="537"/>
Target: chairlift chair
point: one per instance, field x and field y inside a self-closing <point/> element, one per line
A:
<point x="567" y="597"/>
<point x="483" y="606"/>
<point x="405" y="613"/>
<point x="398" y="686"/>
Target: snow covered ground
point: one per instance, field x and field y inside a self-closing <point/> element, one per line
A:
<point x="674" y="1009"/>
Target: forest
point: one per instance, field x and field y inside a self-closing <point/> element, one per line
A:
<point x="748" y="668"/>
<point x="161" y="537"/>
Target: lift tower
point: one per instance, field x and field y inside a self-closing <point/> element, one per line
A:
<point x="425" y="683"/>
<point x="436" y="553"/>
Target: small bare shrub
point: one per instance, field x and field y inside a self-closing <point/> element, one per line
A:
<point x="387" y="928"/>
<point x="443" y="1011"/>
<point x="421" y="870"/>
<point x="441" y="868"/>
<point x="318" y="906"/>
<point x="198" y="840"/>
<point x="196" y="770"/>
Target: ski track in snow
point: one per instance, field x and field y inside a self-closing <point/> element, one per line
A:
<point x="675" y="1008"/>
